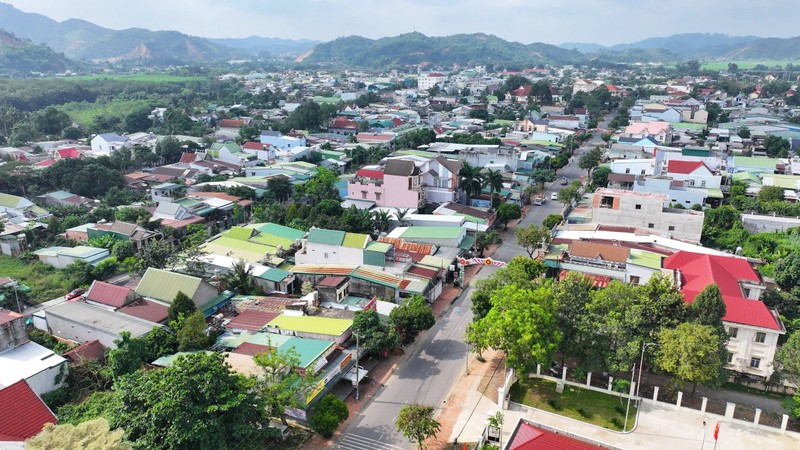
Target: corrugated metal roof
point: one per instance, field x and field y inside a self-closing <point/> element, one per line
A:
<point x="435" y="261"/>
<point x="433" y="232"/>
<point x="23" y="414"/>
<point x="100" y="318"/>
<point x="414" y="286"/>
<point x="355" y="240"/>
<point x="377" y="276"/>
<point x="108" y="294"/>
<point x="327" y="237"/>
<point x="274" y="275"/>
<point x="324" y="269"/>
<point x="164" y="285"/>
<point x="280" y="230"/>
<point x="147" y="310"/>
<point x="239" y="233"/>
<point x="251" y="320"/>
<point x="379" y="247"/>
<point x="312" y="324"/>
<point x="308" y="350"/>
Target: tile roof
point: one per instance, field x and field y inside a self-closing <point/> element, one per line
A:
<point x="327" y="237"/>
<point x="323" y="269"/>
<point x="408" y="246"/>
<point x="252" y="320"/>
<point x="400" y="167"/>
<point x="251" y="349"/>
<point x="529" y="437"/>
<point x="377" y="276"/>
<point x="23" y="413"/>
<point x="370" y="173"/>
<point x="423" y="272"/>
<point x="684" y="167"/>
<point x="8" y="316"/>
<point x="605" y="252"/>
<point x="90" y="351"/>
<point x="147" y="310"/>
<point x="109" y="294"/>
<point x="700" y="270"/>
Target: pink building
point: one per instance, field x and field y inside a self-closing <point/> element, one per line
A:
<point x="398" y="185"/>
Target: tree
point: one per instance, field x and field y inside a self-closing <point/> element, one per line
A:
<point x="787" y="359"/>
<point x="521" y="323"/>
<point x="191" y="333"/>
<point x="708" y="308"/>
<point x="572" y="296"/>
<point x="375" y="337"/>
<point x="787" y="272"/>
<point x="81" y="273"/>
<point x="520" y="271"/>
<point x="412" y="317"/>
<point x="776" y="146"/>
<point x="328" y="414"/>
<point x="281" y="385"/>
<point x="157" y="254"/>
<point x="322" y="186"/>
<point x="531" y="238"/>
<point x="381" y="219"/>
<point x="507" y="212"/>
<point x="543" y="176"/>
<point x="600" y="176"/>
<point x="483" y="240"/>
<point x="129" y="356"/>
<point x="204" y="394"/>
<point x="770" y="194"/>
<point x="590" y="160"/>
<point x="281" y="187"/>
<point x="552" y="220"/>
<point x="240" y="279"/>
<point x="416" y="423"/>
<point x="744" y="133"/>
<point x="51" y="121"/>
<point x="471" y="180"/>
<point x="570" y="193"/>
<point x="493" y="180"/>
<point x="122" y="250"/>
<point x="92" y="435"/>
<point x="690" y="352"/>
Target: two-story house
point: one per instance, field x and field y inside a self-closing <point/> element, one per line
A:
<point x="332" y="247"/>
<point x="753" y="328"/>
<point x="104" y="144"/>
<point x="661" y="131"/>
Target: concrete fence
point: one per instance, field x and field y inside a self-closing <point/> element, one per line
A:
<point x="730" y="408"/>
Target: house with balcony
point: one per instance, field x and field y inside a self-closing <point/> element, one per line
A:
<point x="398" y="184"/>
<point x="753" y="328"/>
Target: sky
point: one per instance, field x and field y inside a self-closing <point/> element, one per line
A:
<point x="605" y="22"/>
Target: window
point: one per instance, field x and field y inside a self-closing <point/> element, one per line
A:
<point x="703" y="183"/>
<point x="691" y="182"/>
<point x="638" y="206"/>
<point x="325" y="255"/>
<point x="671" y="228"/>
<point x="377" y="196"/>
<point x="363" y="194"/>
<point x="730" y="357"/>
<point x="651" y="225"/>
<point x="746" y="292"/>
<point x="628" y="170"/>
<point x="607" y="202"/>
<point x="634" y="280"/>
<point x="761" y="337"/>
<point x="642" y="173"/>
<point x="755" y="362"/>
<point x="733" y="332"/>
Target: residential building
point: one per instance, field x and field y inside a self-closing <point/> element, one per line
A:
<point x="104" y="144"/>
<point x="61" y="257"/>
<point x="660" y="131"/>
<point x="20" y="209"/>
<point x="753" y="328"/>
<point x="23" y="414"/>
<point x="429" y="80"/>
<point x="22" y="359"/>
<point x="124" y="231"/>
<point x="281" y="142"/>
<point x="263" y="152"/>
<point x="332" y="247"/>
<point x="80" y="322"/>
<point x="163" y="286"/>
<point x="650" y="211"/>
<point x="695" y="174"/>
<point x="583" y="85"/>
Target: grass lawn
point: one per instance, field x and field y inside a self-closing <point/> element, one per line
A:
<point x="747" y="63"/>
<point x="593" y="407"/>
<point x="46" y="283"/>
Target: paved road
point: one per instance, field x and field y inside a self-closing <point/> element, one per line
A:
<point x="438" y="359"/>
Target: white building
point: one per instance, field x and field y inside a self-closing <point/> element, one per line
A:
<point x="104" y="144"/>
<point x="332" y="247"/>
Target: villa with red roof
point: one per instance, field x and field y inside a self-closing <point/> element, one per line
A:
<point x="752" y="326"/>
<point x="528" y="436"/>
<point x="694" y="174"/>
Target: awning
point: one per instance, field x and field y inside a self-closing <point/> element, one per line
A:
<point x="714" y="193"/>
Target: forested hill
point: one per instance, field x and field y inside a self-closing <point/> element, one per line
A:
<point x="79" y="39"/>
<point x="22" y="58"/>
<point x="416" y="48"/>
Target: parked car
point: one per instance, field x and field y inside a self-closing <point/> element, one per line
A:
<point x="554" y="196"/>
<point x="564" y="181"/>
<point x="76" y="293"/>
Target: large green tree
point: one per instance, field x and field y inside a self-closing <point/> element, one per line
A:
<point x="181" y="305"/>
<point x="531" y="238"/>
<point x="471" y="180"/>
<point x="282" y="384"/>
<point x="590" y="160"/>
<point x="376" y="337"/>
<point x="691" y="353"/>
<point x="412" y="317"/>
<point x="787" y="359"/>
<point x="416" y="423"/>
<point x="240" y="278"/>
<point x="522" y="323"/>
<point x="708" y="308"/>
<point x="507" y="212"/>
<point x="197" y="403"/>
<point x="328" y="414"/>
<point x="572" y="296"/>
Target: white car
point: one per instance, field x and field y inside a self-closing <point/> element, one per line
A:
<point x="554" y="196"/>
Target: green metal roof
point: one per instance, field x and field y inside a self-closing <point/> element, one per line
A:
<point x="274" y="275"/>
<point x="327" y="237"/>
<point x="688" y="126"/>
<point x="379" y="247"/>
<point x="715" y="193"/>
<point x="308" y="350"/>
<point x="355" y="240"/>
<point x="164" y="285"/>
<point x="467" y="242"/>
<point x="239" y="233"/>
<point x="280" y="230"/>
<point x="748" y="161"/>
<point x="311" y="324"/>
<point x="645" y="259"/>
<point x="215" y="303"/>
<point x="433" y="232"/>
<point x="10" y="201"/>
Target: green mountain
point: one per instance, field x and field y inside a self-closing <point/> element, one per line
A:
<point x="257" y="45"/>
<point x="22" y="58"/>
<point x="80" y="39"/>
<point x="416" y="48"/>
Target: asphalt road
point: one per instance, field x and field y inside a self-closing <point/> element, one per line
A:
<point x="438" y="359"/>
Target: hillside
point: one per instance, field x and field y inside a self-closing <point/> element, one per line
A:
<point x="80" y="39"/>
<point x="257" y="45"/>
<point x="415" y="48"/>
<point x="21" y="58"/>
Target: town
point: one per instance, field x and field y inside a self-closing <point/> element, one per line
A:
<point x="429" y="256"/>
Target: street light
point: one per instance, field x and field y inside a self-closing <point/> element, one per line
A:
<point x="641" y="362"/>
<point x="356" y="335"/>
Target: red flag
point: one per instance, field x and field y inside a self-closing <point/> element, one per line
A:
<point x="465" y="446"/>
<point x="716" y="432"/>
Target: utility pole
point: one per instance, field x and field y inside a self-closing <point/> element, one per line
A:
<point x="627" y="408"/>
<point x="356" y="366"/>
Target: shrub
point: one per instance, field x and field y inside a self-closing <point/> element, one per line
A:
<point x="617" y="422"/>
<point x="585" y="413"/>
<point x="619" y="409"/>
<point x="328" y="414"/>
<point x="555" y="405"/>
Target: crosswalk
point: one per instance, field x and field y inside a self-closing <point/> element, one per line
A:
<point x="350" y="441"/>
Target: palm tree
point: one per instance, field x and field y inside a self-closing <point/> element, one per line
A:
<point x="401" y="216"/>
<point x="380" y="219"/>
<point x="240" y="279"/>
<point x="494" y="181"/>
<point x="471" y="180"/>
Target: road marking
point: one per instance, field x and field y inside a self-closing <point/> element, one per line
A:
<point x="356" y="442"/>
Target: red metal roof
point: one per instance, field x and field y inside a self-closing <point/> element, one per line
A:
<point x="370" y="173"/>
<point x="45" y="163"/>
<point x="147" y="310"/>
<point x="91" y="351"/>
<point x="187" y="157"/>
<point x="70" y="152"/>
<point x="250" y="349"/>
<point x="699" y="270"/>
<point x="251" y="320"/>
<point x="529" y="437"/>
<point x="231" y="123"/>
<point x="423" y="272"/>
<point x="8" y="316"/>
<point x="684" y="167"/>
<point x="23" y="414"/>
<point x="255" y="145"/>
<point x="108" y="294"/>
<point x="332" y="281"/>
